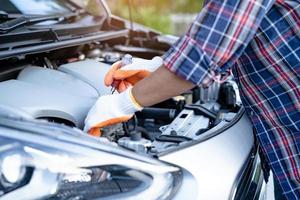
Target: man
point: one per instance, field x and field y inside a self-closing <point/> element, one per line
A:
<point x="260" y="41"/>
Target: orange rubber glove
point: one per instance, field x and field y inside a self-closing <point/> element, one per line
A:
<point x="109" y="110"/>
<point x="122" y="77"/>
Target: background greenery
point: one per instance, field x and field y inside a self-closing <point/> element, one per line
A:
<point x="155" y="13"/>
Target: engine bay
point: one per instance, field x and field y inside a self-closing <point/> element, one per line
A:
<point x="64" y="93"/>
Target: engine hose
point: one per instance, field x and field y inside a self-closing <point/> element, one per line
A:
<point x="144" y="133"/>
<point x="157" y="113"/>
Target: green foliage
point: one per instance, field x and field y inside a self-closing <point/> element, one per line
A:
<point x="151" y="18"/>
<point x="188" y="6"/>
<point x="185" y="6"/>
<point x="154" y="13"/>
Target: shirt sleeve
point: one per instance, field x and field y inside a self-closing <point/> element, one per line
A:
<point x="216" y="39"/>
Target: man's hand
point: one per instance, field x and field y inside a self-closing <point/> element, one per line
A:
<point x="122" y="77"/>
<point x="109" y="110"/>
<point x="112" y="109"/>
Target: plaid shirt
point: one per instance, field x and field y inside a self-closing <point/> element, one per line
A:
<point x="260" y="41"/>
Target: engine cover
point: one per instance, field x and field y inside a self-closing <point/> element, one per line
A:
<point x="89" y="71"/>
<point x="57" y="80"/>
<point x="40" y="101"/>
<point x="67" y="93"/>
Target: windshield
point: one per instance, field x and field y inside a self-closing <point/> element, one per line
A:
<point x="33" y="7"/>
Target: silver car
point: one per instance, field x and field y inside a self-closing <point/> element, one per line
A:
<point x="199" y="145"/>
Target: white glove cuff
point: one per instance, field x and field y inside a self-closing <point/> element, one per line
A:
<point x="149" y="65"/>
<point x="130" y="105"/>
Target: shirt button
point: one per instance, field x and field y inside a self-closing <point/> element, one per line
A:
<point x="251" y="113"/>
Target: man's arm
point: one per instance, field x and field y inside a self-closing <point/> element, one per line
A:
<point x="214" y="42"/>
<point x="212" y="45"/>
<point x="216" y="39"/>
<point x="159" y="86"/>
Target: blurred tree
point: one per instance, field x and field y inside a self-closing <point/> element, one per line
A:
<point x="182" y="6"/>
<point x="154" y="13"/>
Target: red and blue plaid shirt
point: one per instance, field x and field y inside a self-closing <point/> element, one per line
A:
<point x="260" y="41"/>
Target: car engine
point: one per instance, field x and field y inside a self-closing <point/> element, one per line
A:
<point x="64" y="93"/>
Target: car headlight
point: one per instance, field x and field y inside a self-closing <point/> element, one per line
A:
<point x="52" y="169"/>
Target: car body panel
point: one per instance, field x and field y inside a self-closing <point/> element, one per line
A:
<point x="217" y="162"/>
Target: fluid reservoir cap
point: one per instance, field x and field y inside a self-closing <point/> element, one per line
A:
<point x="173" y="132"/>
<point x="135" y="136"/>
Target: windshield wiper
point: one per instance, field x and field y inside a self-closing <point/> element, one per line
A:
<point x="25" y="20"/>
<point x="3" y="14"/>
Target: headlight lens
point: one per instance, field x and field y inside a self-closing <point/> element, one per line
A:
<point x="13" y="172"/>
<point x="12" y="169"/>
<point x="50" y="169"/>
<point x="99" y="182"/>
